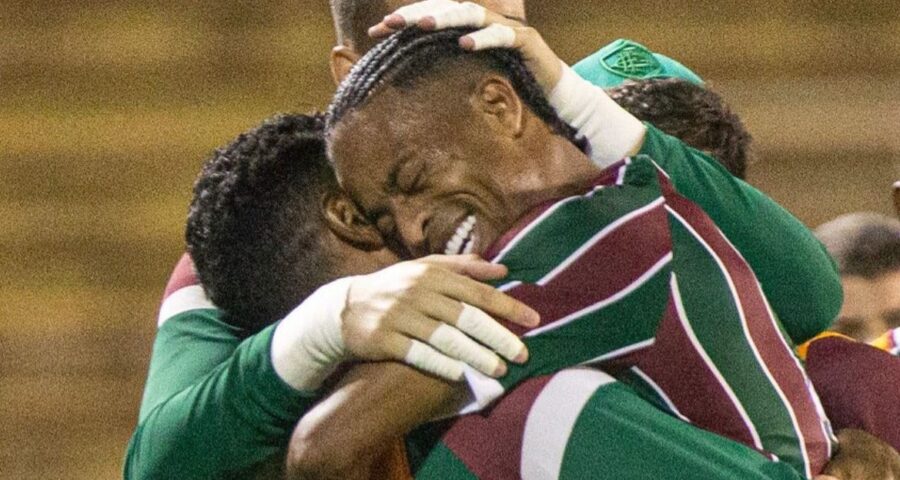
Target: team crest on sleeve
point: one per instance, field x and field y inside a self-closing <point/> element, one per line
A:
<point x="632" y="60"/>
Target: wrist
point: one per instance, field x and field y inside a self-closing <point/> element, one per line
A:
<point x="307" y="345"/>
<point x="612" y="132"/>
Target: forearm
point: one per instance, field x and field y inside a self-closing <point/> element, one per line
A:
<point x="375" y="405"/>
<point x="234" y="418"/>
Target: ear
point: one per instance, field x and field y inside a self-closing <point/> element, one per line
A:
<point x="342" y="59"/>
<point x="349" y="224"/>
<point x="497" y="100"/>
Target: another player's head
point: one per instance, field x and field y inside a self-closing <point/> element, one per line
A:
<point x="660" y="90"/>
<point x="429" y="138"/>
<point x="691" y="112"/>
<point x="256" y="228"/>
<point x="352" y="19"/>
<point x="866" y="247"/>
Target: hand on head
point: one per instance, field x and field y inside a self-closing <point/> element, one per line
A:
<point x="495" y="31"/>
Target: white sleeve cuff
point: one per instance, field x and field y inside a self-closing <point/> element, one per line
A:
<point x="307" y="345"/>
<point x="610" y="130"/>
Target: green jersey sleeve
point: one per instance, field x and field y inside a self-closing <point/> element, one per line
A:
<point x="213" y="405"/>
<point x="797" y="275"/>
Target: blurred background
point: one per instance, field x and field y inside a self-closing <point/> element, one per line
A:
<point x="107" y="109"/>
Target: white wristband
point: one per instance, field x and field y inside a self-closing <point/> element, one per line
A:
<point x="610" y="130"/>
<point x="307" y="345"/>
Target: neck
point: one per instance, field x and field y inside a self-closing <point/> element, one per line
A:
<point x="558" y="169"/>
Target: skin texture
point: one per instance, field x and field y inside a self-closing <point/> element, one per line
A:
<point x="863" y="457"/>
<point x="871" y="306"/>
<point x="419" y="195"/>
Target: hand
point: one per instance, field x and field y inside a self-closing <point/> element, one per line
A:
<point x="861" y="456"/>
<point x="496" y="31"/>
<point x="430" y="314"/>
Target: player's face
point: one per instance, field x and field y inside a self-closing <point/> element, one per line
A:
<point x="435" y="182"/>
<point x="871" y="306"/>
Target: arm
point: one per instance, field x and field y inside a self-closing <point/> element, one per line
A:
<point x="798" y="276"/>
<point x="374" y="406"/>
<point x="236" y="416"/>
<point x="197" y="423"/>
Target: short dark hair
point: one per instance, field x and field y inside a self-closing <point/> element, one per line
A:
<point x="255" y="224"/>
<point x="410" y="56"/>
<point x="352" y="19"/>
<point x="693" y="113"/>
<point x="863" y="244"/>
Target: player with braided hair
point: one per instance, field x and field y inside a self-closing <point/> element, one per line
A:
<point x="429" y="196"/>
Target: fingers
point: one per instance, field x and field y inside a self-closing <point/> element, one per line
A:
<point x="427" y="359"/>
<point x="490" y="300"/>
<point x="437" y="15"/>
<point x="465" y="14"/>
<point x="452" y="343"/>
<point x="476" y="324"/>
<point x="470" y="265"/>
<point x="494" y="36"/>
<point x="486" y="330"/>
<point x="455" y="344"/>
<point x="410" y="15"/>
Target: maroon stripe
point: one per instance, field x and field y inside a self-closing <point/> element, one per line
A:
<point x="603" y="270"/>
<point x="490" y="442"/>
<point x="182" y="276"/>
<point x="607" y="177"/>
<point x="858" y="385"/>
<point x="766" y="335"/>
<point x="678" y="368"/>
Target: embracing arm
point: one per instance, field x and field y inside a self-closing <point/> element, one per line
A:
<point x="225" y="421"/>
<point x="371" y="410"/>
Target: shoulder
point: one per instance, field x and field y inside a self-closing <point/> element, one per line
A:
<point x="183" y="293"/>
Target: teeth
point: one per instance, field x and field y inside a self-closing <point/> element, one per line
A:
<point x="458" y="241"/>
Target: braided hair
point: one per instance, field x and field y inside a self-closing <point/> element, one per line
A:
<point x="412" y="55"/>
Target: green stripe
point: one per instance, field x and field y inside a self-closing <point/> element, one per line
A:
<point x="643" y="389"/>
<point x="443" y="464"/>
<point x="713" y="315"/>
<point x="569" y="227"/>
<point x="619" y="435"/>
<point x="630" y="320"/>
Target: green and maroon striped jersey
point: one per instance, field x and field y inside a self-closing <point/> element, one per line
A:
<point x="634" y="278"/>
<point x="583" y="424"/>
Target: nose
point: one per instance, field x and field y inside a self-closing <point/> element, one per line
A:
<point x="411" y="219"/>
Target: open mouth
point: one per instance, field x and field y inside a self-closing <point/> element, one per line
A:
<point x="463" y="240"/>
